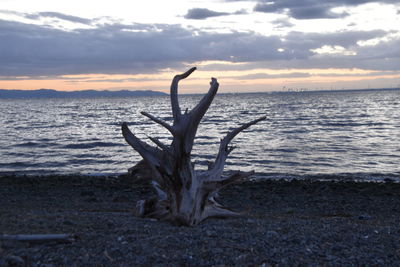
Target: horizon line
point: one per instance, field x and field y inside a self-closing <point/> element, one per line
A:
<point x="288" y="90"/>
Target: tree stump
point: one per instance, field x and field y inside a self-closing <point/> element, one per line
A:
<point x="185" y="196"/>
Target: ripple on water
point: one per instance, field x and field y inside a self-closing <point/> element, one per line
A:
<point x="307" y="133"/>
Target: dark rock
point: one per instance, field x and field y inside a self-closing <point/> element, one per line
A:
<point x="272" y="234"/>
<point x="87" y="193"/>
<point x="121" y="199"/>
<point x="364" y="217"/>
<point x="14" y="261"/>
<point x="92" y="199"/>
<point x="211" y="233"/>
<point x="66" y="222"/>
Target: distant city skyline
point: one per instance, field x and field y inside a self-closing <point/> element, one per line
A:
<point x="250" y="46"/>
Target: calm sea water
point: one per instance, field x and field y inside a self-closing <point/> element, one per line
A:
<point x="308" y="134"/>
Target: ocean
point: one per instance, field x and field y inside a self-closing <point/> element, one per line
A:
<point x="317" y="135"/>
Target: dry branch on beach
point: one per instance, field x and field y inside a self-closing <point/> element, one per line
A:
<point x="40" y="238"/>
<point x="184" y="195"/>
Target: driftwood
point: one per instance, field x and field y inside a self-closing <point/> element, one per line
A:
<point x="185" y="196"/>
<point x="140" y="173"/>
<point x="40" y="238"/>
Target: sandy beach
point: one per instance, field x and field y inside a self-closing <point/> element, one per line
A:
<point x="288" y="223"/>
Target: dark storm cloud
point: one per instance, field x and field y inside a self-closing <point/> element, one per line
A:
<point x="310" y="9"/>
<point x="33" y="50"/>
<point x="204" y="13"/>
<point x="384" y="56"/>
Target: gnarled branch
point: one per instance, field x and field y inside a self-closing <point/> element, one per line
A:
<point x="159" y="121"/>
<point x="147" y="152"/>
<point x="176" y="110"/>
<point x="225" y="149"/>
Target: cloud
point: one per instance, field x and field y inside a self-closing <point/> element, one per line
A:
<point x="262" y="75"/>
<point x="58" y="16"/>
<point x="383" y="56"/>
<point x="346" y="39"/>
<point x="240" y="12"/>
<point x="310" y="9"/>
<point x="315" y="12"/>
<point x="350" y="74"/>
<point x="125" y="80"/>
<point x="34" y="50"/>
<point x="290" y="75"/>
<point x="282" y="23"/>
<point x="319" y="10"/>
<point x="28" y="49"/>
<point x="204" y="13"/>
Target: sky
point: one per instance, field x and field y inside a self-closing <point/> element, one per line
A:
<point x="249" y="46"/>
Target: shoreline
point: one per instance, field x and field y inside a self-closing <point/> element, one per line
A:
<point x="288" y="223"/>
<point x="359" y="177"/>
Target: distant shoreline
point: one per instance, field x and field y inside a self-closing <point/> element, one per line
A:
<point x="51" y="93"/>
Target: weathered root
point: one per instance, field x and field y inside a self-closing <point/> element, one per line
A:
<point x="184" y="196"/>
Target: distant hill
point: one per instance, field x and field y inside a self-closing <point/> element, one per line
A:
<point x="50" y="93"/>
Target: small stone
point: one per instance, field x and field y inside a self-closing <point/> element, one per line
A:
<point x="14" y="261"/>
<point x="120" y="199"/>
<point x="87" y="193"/>
<point x="211" y="233"/>
<point x="330" y="258"/>
<point x="92" y="199"/>
<point x="364" y="217"/>
<point x="66" y="222"/>
<point x="272" y="234"/>
<point x="241" y="256"/>
<point x="337" y="248"/>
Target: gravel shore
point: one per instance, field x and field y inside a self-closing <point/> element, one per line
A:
<point x="288" y="223"/>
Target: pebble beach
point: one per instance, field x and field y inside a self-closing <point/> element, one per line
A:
<point x="297" y="222"/>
